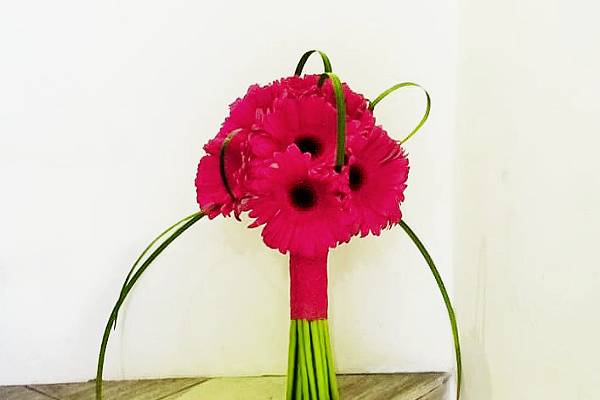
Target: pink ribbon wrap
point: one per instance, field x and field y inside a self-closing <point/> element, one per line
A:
<point x="308" y="286"/>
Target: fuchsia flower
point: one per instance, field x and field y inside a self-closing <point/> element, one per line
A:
<point x="302" y="207"/>
<point x="299" y="86"/>
<point x="377" y="171"/>
<point x="245" y="115"/>
<point x="307" y="122"/>
<point x="356" y="104"/>
<point x="211" y="194"/>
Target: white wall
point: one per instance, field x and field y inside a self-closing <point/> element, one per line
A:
<point x="528" y="190"/>
<point x="104" y="108"/>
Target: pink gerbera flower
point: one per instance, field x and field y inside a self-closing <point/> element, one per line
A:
<point x="308" y="122"/>
<point x="302" y="208"/>
<point x="356" y="104"/>
<point x="377" y="171"/>
<point x="307" y="85"/>
<point x="211" y="193"/>
<point x="299" y="86"/>
<point x="246" y="114"/>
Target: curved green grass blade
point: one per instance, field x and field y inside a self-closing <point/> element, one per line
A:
<point x="373" y="103"/>
<point x="152" y="243"/>
<point x="444" y="292"/>
<point x="134" y="278"/>
<point x="340" y="105"/>
<point x="305" y="57"/>
<point x="222" y="152"/>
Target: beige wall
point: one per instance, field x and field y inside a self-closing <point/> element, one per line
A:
<point x="528" y="193"/>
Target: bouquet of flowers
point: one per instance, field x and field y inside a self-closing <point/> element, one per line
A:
<point x="305" y="159"/>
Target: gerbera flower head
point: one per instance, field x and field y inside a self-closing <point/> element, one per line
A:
<point x="302" y="208"/>
<point x="308" y="122"/>
<point x="211" y="193"/>
<point x="299" y="86"/>
<point x="356" y="104"/>
<point x="376" y="173"/>
<point x="246" y="114"/>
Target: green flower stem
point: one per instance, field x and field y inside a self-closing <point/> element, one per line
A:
<point x="373" y="103"/>
<point x="298" y="384"/>
<point x="444" y="292"/>
<point x="323" y="348"/>
<point x="322" y="389"/>
<point x="335" y="395"/>
<point x="308" y="353"/>
<point x="303" y="381"/>
<point x="134" y="278"/>
<point x="292" y="360"/>
<point x="304" y="59"/>
<point x="340" y="104"/>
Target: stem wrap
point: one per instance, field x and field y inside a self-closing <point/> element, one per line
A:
<point x="308" y="286"/>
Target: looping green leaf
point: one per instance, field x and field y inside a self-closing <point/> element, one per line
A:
<point x="373" y="103"/>
<point x="340" y="104"/>
<point x="305" y="57"/>
<point x="447" y="302"/>
<point x="189" y="221"/>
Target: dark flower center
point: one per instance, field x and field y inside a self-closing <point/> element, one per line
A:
<point x="356" y="177"/>
<point x="309" y="144"/>
<point x="303" y="196"/>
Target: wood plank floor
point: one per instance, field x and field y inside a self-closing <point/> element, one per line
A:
<point x="422" y="386"/>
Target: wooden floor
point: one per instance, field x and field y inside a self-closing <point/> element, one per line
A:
<point x="423" y="386"/>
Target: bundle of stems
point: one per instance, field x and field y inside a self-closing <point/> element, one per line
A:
<point x="311" y="373"/>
